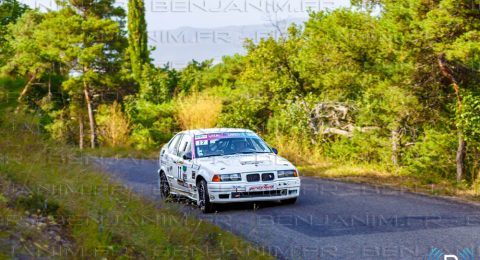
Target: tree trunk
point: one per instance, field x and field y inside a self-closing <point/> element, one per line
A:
<point x="81" y="134"/>
<point x="461" y="154"/>
<point x="462" y="144"/>
<point x="395" y="145"/>
<point x="49" y="96"/>
<point x="91" y="117"/>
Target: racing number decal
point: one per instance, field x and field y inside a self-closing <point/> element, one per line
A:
<point x="181" y="172"/>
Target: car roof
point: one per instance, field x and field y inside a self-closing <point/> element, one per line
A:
<point x="217" y="130"/>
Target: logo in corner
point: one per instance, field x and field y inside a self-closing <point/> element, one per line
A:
<point x="437" y="254"/>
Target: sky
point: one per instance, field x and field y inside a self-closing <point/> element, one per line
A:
<point x="182" y="30"/>
<point x="172" y="14"/>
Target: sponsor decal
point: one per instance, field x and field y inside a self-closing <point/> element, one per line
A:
<point x="207" y="137"/>
<point x="261" y="187"/>
<point x="252" y="162"/>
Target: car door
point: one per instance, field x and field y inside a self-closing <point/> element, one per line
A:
<point x="183" y="166"/>
<point x="169" y="159"/>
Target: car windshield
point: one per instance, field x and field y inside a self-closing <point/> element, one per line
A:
<point x="209" y="145"/>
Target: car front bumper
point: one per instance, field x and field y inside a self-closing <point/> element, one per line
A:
<point x="287" y="188"/>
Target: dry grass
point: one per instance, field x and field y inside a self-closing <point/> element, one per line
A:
<point x="199" y="110"/>
<point x="114" y="127"/>
<point x="103" y="218"/>
<point x="296" y="151"/>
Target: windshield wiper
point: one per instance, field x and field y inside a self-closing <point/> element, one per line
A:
<point x="212" y="155"/>
<point x="251" y="152"/>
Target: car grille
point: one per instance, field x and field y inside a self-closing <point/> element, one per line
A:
<point x="255" y="194"/>
<point x="253" y="177"/>
<point x="268" y="177"/>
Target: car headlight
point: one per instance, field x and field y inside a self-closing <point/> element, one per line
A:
<point x="227" y="177"/>
<point x="287" y="174"/>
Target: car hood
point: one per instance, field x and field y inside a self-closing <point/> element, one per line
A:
<point x="244" y="163"/>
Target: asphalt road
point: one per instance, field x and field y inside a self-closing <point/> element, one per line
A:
<point x="333" y="220"/>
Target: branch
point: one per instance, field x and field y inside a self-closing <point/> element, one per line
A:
<point x="27" y="86"/>
<point x="446" y="72"/>
<point x="337" y="131"/>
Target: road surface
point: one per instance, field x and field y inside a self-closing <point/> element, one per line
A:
<point x="333" y="220"/>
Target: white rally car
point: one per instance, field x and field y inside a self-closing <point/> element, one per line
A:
<point x="213" y="166"/>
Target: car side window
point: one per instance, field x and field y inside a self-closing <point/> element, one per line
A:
<point x="173" y="144"/>
<point x="184" y="144"/>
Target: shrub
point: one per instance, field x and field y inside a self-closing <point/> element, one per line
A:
<point x="360" y="148"/>
<point x="153" y="124"/>
<point x="470" y="117"/>
<point x="246" y="112"/>
<point x="114" y="127"/>
<point x="199" y="110"/>
<point x="38" y="203"/>
<point x="9" y="91"/>
<point x="433" y="154"/>
<point x="297" y="149"/>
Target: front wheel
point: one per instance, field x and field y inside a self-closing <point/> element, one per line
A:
<point x="203" y="198"/>
<point x="163" y="186"/>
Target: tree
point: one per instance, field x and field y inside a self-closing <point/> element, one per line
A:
<point x="91" y="46"/>
<point x="452" y="31"/>
<point x="10" y="12"/>
<point x="30" y="58"/>
<point x="137" y="38"/>
<point x="441" y="39"/>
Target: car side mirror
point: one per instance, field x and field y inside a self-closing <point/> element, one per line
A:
<point x="275" y="151"/>
<point x="187" y="156"/>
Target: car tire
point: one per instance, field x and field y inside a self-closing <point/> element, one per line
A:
<point x="163" y="186"/>
<point x="289" y="201"/>
<point x="203" y="198"/>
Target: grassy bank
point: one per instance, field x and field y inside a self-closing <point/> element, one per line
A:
<point x="58" y="206"/>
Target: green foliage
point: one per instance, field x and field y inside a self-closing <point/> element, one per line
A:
<point x="470" y="117"/>
<point x="292" y="120"/>
<point x="153" y="124"/>
<point x="339" y="53"/>
<point x="367" y="148"/>
<point x="137" y="38"/>
<point x="36" y="202"/>
<point x="60" y="128"/>
<point x="158" y="84"/>
<point x="30" y="58"/>
<point x="9" y="89"/>
<point x="348" y="84"/>
<point x="10" y="11"/>
<point x="246" y="112"/>
<point x="388" y="106"/>
<point x="191" y="79"/>
<point x="433" y="154"/>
